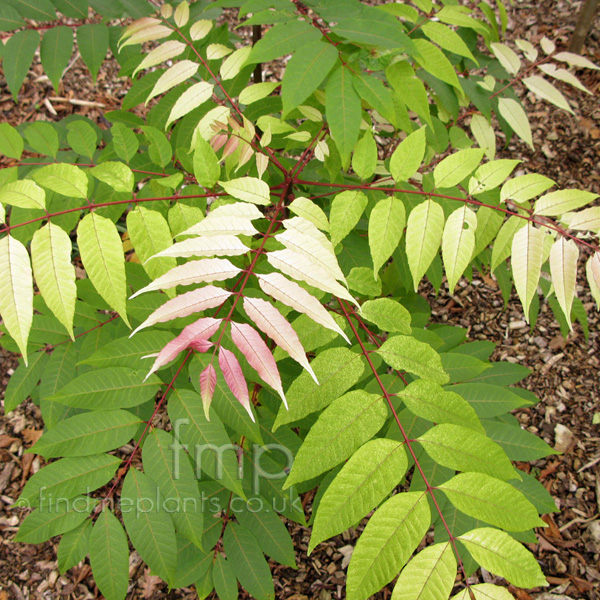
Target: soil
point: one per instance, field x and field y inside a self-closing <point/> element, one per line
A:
<point x="564" y="371"/>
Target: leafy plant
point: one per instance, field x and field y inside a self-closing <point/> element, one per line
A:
<point x="252" y="254"/>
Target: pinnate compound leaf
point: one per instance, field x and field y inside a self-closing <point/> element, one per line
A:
<point x="458" y="243"/>
<point x="213" y="245"/>
<point x="429" y="575"/>
<point x="248" y="562"/>
<point x="109" y="556"/>
<point x="54" y="518"/>
<point x="390" y="537"/>
<point x="271" y="322"/>
<point x="194" y="336"/>
<point x="177" y="483"/>
<point x="563" y="268"/>
<point x="456" y="167"/>
<point x="408" y="156"/>
<point x="69" y="477"/>
<point x="195" y="271"/>
<point x="423" y="237"/>
<point x="405" y="353"/>
<point x="345" y="425"/>
<point x="16" y="298"/>
<point x="292" y="295"/>
<point x="386" y="226"/>
<point x="88" y="433"/>
<point x="337" y="369"/>
<point x="484" y="591"/>
<point x="54" y="273"/>
<point x="346" y="210"/>
<point x="490" y="500"/>
<point x="388" y="314"/>
<point x="430" y="401"/>
<point x="115" y="174"/>
<point x="24" y="194"/>
<point x="102" y="256"/>
<point x="107" y="389"/>
<point x="514" y="114"/>
<point x="186" y="304"/>
<point x="212" y="448"/>
<point x="234" y="377"/>
<point x="365" y="480"/>
<point x="527" y="257"/>
<point x="208" y="382"/>
<point x="257" y="353"/>
<point x="248" y="189"/>
<point x="500" y="554"/>
<point x="178" y="73"/>
<point x="463" y="449"/>
<point x="148" y="524"/>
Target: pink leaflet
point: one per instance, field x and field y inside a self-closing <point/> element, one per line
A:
<point x="208" y="381"/>
<point x="193" y="336"/>
<point x="270" y="321"/>
<point x="252" y="346"/>
<point x="234" y="378"/>
<point x="186" y="304"/>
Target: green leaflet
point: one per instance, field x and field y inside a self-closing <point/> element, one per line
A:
<point x="429" y="575"/>
<point x="500" y="554"/>
<point x="54" y="518"/>
<point x="54" y="273"/>
<point x="210" y="446"/>
<point x="64" y="179"/>
<point x="17" y="56"/>
<point x="59" y="371"/>
<point x="343" y="111"/>
<point x="519" y="444"/>
<point x="388" y="314"/>
<point x="83" y="140"/>
<point x="364" y="158"/>
<point x="406" y="353"/>
<point x="102" y="255"/>
<point x="433" y="60"/>
<point x="390" y="537"/>
<point x="68" y="477"/>
<point x="484" y="591"/>
<point x="489" y="400"/>
<point x="408" y="156"/>
<point x="192" y="563"/>
<point x="177" y="482"/>
<point x="224" y="579"/>
<point x="270" y="533"/>
<point x="364" y="481"/>
<point x="424" y="230"/>
<point x="346" y="210"/>
<point x="125" y="142"/>
<point x="109" y="556"/>
<point x="55" y="52"/>
<point x="454" y="168"/>
<point x="115" y="174"/>
<point x="458" y="243"/>
<point x="107" y="389"/>
<point x="150" y="234"/>
<point x="92" y="41"/>
<point x="88" y="433"/>
<point x="341" y="429"/>
<point x="305" y="72"/>
<point x="491" y="500"/>
<point x="386" y="226"/>
<point x="337" y="370"/>
<point x="148" y="523"/>
<point x="248" y="562"/>
<point x="42" y="136"/>
<point x="462" y="449"/>
<point x="74" y="546"/>
<point x="206" y="164"/>
<point x="284" y="38"/>
<point x="23" y="381"/>
<point x="430" y="401"/>
<point x="11" y="143"/>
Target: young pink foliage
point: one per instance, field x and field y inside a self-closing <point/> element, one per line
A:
<point x="193" y="336"/>
<point x="252" y="346"/>
<point x="234" y="378"/>
<point x="187" y="304"/>
<point x="270" y="321"/>
<point x="208" y="381"/>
